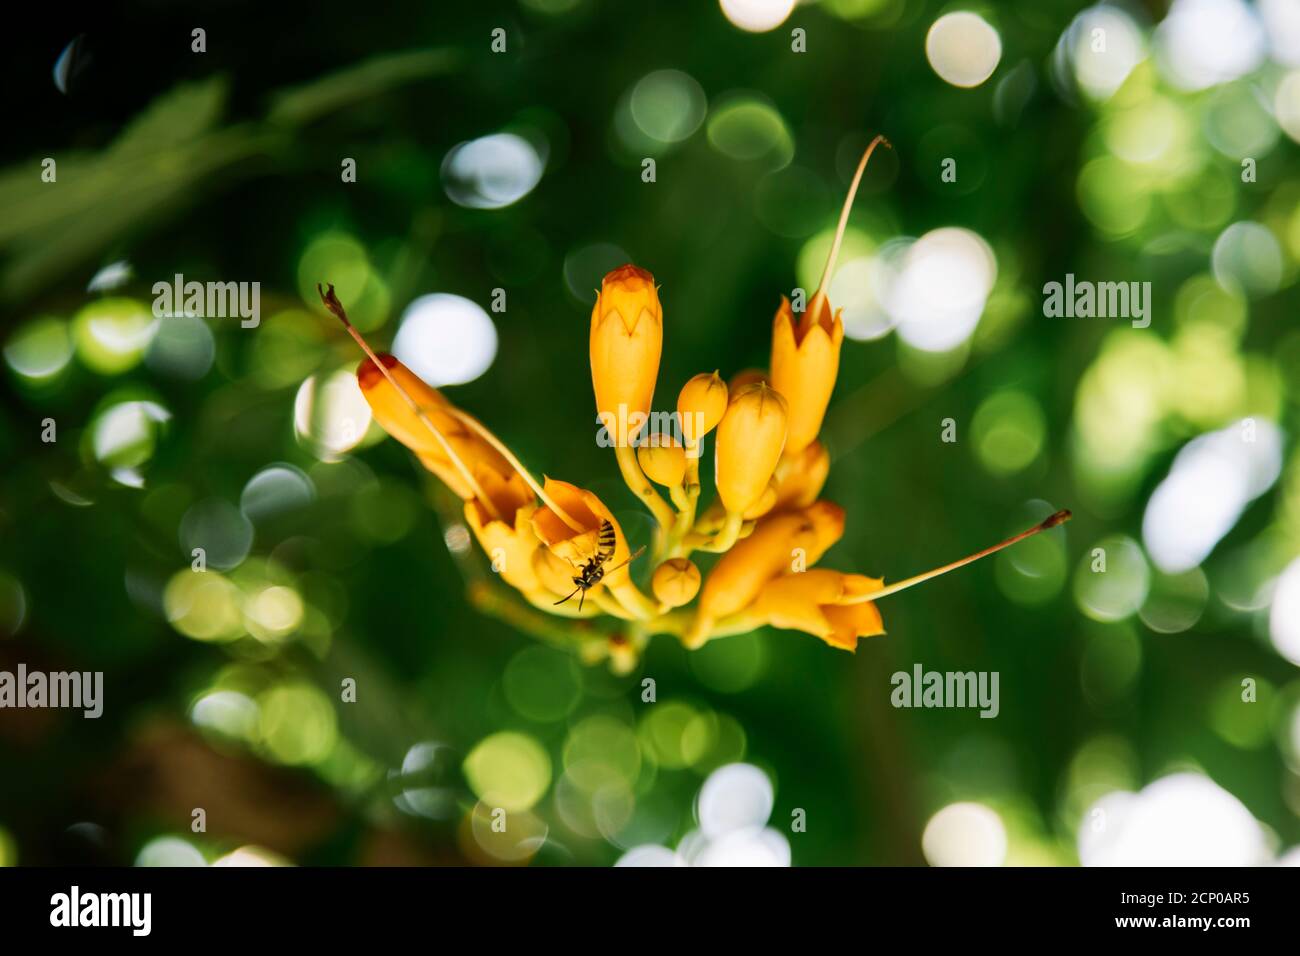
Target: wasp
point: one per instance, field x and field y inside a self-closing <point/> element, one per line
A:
<point x="594" y="570"/>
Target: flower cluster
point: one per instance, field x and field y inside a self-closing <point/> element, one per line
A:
<point x="767" y="525"/>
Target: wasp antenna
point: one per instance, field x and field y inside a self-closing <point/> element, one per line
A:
<point x="630" y="558"/>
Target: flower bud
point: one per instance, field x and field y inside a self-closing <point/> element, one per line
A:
<point x="700" y="406"/>
<point x="626" y="340"/>
<point x="663" y="460"/>
<point x="749" y="443"/>
<point x="676" y="582"/>
<point x="805" y="363"/>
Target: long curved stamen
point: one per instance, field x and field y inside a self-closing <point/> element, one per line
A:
<point x="820" y="294"/>
<point x="1059" y="518"/>
<point x="336" y="307"/>
<point x="485" y="433"/>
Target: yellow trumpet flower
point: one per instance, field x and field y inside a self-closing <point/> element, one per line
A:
<point x="806" y="356"/>
<point x="766" y="524"/>
<point x="581" y="546"/>
<point x="627" y="335"/>
<point x="626" y="340"/>
<point x="805" y="363"/>
<point x="821" y="602"/>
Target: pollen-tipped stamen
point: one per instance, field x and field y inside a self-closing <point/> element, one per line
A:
<point x="1059" y="518"/>
<point x="827" y="272"/>
<point x="333" y="304"/>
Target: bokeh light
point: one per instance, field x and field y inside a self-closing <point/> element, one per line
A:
<point x="40" y="349"/>
<point x="963" y="48"/>
<point x="111" y="335"/>
<point x="1281" y="20"/>
<point x="667" y="106"/>
<point x="169" y="851"/>
<point x="746" y="127"/>
<point x="330" y="414"/>
<point x="203" y="605"/>
<point x="124" y="434"/>
<point x="1184" y="819"/>
<point x="508" y="770"/>
<point x="274" y="490"/>
<point x="1202" y="43"/>
<point x="757" y="16"/>
<point x="1099" y="49"/>
<point x="445" y="339"/>
<point x="426" y="769"/>
<point x="733" y="807"/>
<point x="219" y="529"/>
<point x="182" y="347"/>
<point x="1112" y="579"/>
<point x="228" y="713"/>
<point x="297" y="723"/>
<point x="942" y="284"/>
<point x="1008" y="431"/>
<point x="965" y="834"/>
<point x="1212" y="479"/>
<point x="735" y="797"/>
<point x="1247" y="259"/>
<point x="491" y="172"/>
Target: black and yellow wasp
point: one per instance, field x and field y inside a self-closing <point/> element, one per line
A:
<point x="594" y="570"/>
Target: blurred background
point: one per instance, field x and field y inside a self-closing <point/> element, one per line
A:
<point x="1149" y="713"/>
